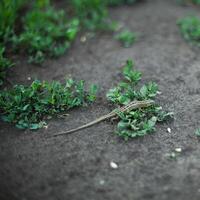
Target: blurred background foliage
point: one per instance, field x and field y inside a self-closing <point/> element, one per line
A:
<point x="39" y="30"/>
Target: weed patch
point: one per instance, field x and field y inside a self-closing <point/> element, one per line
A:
<point x="4" y="64"/>
<point x="91" y="13"/>
<point x="196" y="1"/>
<point x="47" y="33"/>
<point x="8" y="15"/>
<point x="120" y="2"/>
<point x="189" y="1"/>
<point x="44" y="32"/>
<point x="190" y="28"/>
<point x="126" y="37"/>
<point x="143" y="120"/>
<point x="27" y="106"/>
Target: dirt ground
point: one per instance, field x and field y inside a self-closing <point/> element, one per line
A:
<point x="35" y="166"/>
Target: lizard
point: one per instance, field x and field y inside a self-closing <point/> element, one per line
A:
<point x="132" y="105"/>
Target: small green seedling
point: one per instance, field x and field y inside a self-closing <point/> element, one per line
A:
<point x="197" y="132"/>
<point x="141" y="121"/>
<point x="126" y="37"/>
<point x="30" y="106"/>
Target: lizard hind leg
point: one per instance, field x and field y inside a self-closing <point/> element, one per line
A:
<point x="114" y="119"/>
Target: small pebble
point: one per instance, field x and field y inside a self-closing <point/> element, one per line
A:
<point x="46" y="127"/>
<point x="179" y="150"/>
<point x="101" y="182"/>
<point x="113" y="165"/>
<point x="169" y="130"/>
<point x="83" y="39"/>
<point x="29" y="78"/>
<point x="158" y="92"/>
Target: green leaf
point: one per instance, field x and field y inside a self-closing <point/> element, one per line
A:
<point x="122" y="125"/>
<point x="92" y="93"/>
<point x="144" y="90"/>
<point x="36" y="126"/>
<point x="25" y="107"/>
<point x="152" y="122"/>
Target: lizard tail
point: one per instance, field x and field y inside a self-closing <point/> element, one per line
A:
<point x="82" y="127"/>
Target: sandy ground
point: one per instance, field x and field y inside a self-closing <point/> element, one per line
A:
<point x="34" y="166"/>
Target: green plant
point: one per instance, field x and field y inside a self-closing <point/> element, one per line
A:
<point x="8" y="15"/>
<point x="126" y="37"/>
<point x="47" y="33"/>
<point x="190" y="28"/>
<point x="42" y="31"/>
<point x="120" y="2"/>
<point x="91" y="13"/>
<point x="4" y="64"/>
<point x="196" y="1"/>
<point x="142" y="121"/>
<point x="185" y="2"/>
<point x="197" y="132"/>
<point x="27" y="106"/>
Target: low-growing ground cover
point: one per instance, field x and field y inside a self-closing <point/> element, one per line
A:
<point x="141" y="121"/>
<point x="41" y="31"/>
<point x="27" y="106"/>
<point x="121" y="2"/>
<point x="185" y="2"/>
<point x="126" y="37"/>
<point x="46" y="33"/>
<point x="190" y="29"/>
<point x="4" y="64"/>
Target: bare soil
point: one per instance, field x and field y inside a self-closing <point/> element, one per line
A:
<point x="35" y="166"/>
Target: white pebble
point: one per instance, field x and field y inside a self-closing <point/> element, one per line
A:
<point x="113" y="165"/>
<point x="169" y="130"/>
<point x="29" y="78"/>
<point x="179" y="150"/>
<point x="101" y="182"/>
<point x="46" y="127"/>
<point x="158" y="92"/>
<point x="83" y="39"/>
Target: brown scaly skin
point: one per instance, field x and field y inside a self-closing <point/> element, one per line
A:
<point x="131" y="106"/>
